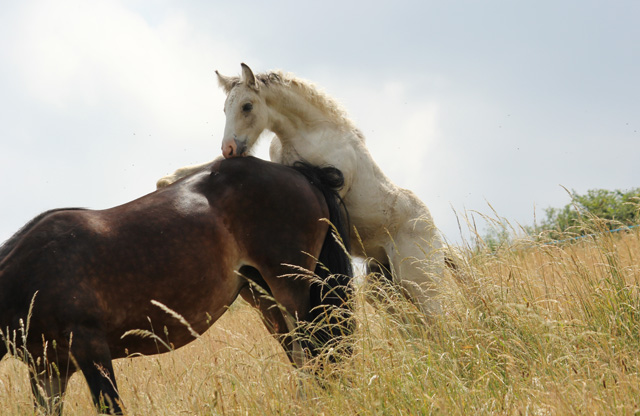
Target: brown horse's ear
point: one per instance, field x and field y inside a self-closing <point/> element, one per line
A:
<point x="248" y="77"/>
<point x="226" y="83"/>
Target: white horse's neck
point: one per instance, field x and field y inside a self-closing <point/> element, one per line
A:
<point x="306" y="129"/>
<point x="312" y="127"/>
<point x="288" y="112"/>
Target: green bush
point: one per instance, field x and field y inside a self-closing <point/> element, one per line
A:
<point x="612" y="208"/>
<point x="596" y="211"/>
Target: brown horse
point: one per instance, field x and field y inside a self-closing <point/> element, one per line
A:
<point x="73" y="281"/>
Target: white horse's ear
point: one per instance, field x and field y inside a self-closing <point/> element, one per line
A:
<point x="226" y="83"/>
<point x="248" y="77"/>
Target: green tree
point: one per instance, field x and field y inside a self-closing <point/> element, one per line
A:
<point x="614" y="209"/>
<point x="597" y="210"/>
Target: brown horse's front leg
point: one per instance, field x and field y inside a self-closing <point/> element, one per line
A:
<point x="272" y="318"/>
<point x="91" y="353"/>
<point x="48" y="389"/>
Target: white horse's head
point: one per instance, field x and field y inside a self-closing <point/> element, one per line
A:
<point x="245" y="110"/>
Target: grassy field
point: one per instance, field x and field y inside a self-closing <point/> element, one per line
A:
<point x="531" y="329"/>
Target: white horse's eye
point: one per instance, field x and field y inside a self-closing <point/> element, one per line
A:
<point x="247" y="107"/>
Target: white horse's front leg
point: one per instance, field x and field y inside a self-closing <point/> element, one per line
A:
<point x="275" y="150"/>
<point x="181" y="173"/>
<point x="417" y="258"/>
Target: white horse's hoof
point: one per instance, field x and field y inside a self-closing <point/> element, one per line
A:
<point x="164" y="182"/>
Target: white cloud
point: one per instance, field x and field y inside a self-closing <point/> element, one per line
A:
<point x="78" y="53"/>
<point x="101" y="102"/>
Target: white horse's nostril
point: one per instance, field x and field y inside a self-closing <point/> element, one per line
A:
<point x="229" y="149"/>
<point x="240" y="147"/>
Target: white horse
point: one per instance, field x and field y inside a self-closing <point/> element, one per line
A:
<point x="390" y="224"/>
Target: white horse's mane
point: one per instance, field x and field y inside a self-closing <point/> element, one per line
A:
<point x="309" y="91"/>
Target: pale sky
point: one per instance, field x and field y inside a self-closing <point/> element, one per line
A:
<point x="467" y="103"/>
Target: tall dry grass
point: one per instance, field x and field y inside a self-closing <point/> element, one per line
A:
<point x="531" y="329"/>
